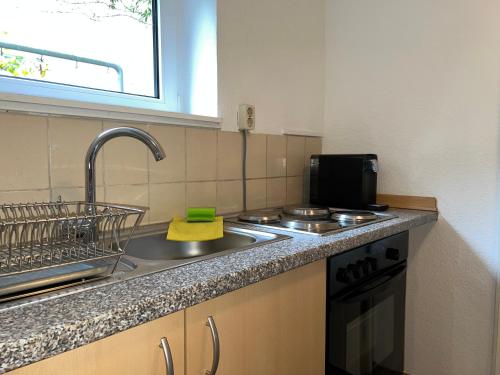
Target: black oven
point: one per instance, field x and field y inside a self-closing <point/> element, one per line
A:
<point x="366" y="309"/>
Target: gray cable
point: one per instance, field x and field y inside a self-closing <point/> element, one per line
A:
<point x="244" y="133"/>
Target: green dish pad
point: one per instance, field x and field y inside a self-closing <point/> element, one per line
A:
<point x="197" y="214"/>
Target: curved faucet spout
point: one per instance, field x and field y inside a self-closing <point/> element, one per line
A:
<point x="101" y="139"/>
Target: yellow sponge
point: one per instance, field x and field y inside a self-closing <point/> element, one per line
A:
<point x="180" y="230"/>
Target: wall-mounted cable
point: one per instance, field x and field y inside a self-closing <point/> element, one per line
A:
<point x="244" y="168"/>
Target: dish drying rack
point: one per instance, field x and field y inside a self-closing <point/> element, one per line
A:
<point x="48" y="245"/>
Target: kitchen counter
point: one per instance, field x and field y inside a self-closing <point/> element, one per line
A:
<point x="34" y="331"/>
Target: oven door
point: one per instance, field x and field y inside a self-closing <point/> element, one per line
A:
<point x="366" y="327"/>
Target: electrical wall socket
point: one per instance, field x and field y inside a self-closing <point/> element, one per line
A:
<point x="246" y="117"/>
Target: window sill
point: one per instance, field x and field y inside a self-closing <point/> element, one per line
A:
<point x="57" y="107"/>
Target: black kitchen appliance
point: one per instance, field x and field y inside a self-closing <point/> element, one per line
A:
<point x="366" y="309"/>
<point x="345" y="181"/>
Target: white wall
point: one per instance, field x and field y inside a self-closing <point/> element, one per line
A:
<point x="416" y="82"/>
<point x="271" y="54"/>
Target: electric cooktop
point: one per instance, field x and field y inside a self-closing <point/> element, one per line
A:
<point x="310" y="219"/>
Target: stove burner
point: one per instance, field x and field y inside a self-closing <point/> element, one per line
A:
<point x="261" y="216"/>
<point x="354" y="217"/>
<point x="339" y="220"/>
<point x="307" y="212"/>
<point x="316" y="226"/>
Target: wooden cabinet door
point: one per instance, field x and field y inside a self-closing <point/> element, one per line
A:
<point x="273" y="327"/>
<point x="134" y="351"/>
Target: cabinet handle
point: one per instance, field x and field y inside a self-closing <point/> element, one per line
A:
<point x="216" y="346"/>
<point x="169" y="362"/>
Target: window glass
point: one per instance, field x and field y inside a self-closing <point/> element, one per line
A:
<point x="100" y="44"/>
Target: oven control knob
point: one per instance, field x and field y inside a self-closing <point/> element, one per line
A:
<point x="343" y="276"/>
<point x="354" y="269"/>
<point x="365" y="266"/>
<point x="392" y="254"/>
<point x="373" y="263"/>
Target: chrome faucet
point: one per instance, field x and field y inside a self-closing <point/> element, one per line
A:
<point x="101" y="139"/>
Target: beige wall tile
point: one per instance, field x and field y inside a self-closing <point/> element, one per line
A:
<point x="256" y="194"/>
<point x="276" y="192"/>
<point x="294" y="190"/>
<point x="69" y="140"/>
<point x="77" y="194"/>
<point x="201" y="194"/>
<point x="276" y="155"/>
<point x="256" y="155"/>
<point x="167" y="201"/>
<point x="136" y="195"/>
<point x="23" y="152"/>
<point x="24" y="196"/>
<point x="201" y="154"/>
<point x="173" y="167"/>
<point x="198" y="155"/>
<point x="312" y="147"/>
<point x="229" y="196"/>
<point x="295" y="147"/>
<point x="306" y="189"/>
<point x="229" y="155"/>
<point x="125" y="159"/>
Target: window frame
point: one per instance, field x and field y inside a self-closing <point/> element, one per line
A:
<point x="59" y="99"/>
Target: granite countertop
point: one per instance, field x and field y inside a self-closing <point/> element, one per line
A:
<point x="32" y="332"/>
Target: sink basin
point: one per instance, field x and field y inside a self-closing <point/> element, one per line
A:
<point x="156" y="247"/>
<point x="152" y="252"/>
<point x="148" y="252"/>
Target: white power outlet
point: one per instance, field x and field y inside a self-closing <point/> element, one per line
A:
<point x="246" y="117"/>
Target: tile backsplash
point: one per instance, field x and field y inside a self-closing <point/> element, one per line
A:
<point x="43" y="157"/>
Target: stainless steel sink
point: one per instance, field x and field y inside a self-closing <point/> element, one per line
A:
<point x="150" y="251"/>
<point x="156" y="247"/>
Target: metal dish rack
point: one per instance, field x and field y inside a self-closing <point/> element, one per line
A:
<point x="43" y="245"/>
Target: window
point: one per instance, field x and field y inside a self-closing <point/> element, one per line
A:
<point x="148" y="54"/>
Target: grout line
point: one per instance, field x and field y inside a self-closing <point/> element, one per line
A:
<point x="103" y="166"/>
<point x="216" y="171"/>
<point x="216" y="166"/>
<point x="266" y="153"/>
<point x="217" y="140"/>
<point x="221" y="181"/>
<point x="24" y="190"/>
<point x="76" y="186"/>
<point x="49" y="158"/>
<point x="286" y="155"/>
<point x="169" y="182"/>
<point x="199" y="182"/>
<point x="131" y="185"/>
<point x="257" y="179"/>
<point x="148" y="168"/>
<point x="185" y="170"/>
<point x="304" y="198"/>
<point x="286" y="166"/>
<point x="267" y="178"/>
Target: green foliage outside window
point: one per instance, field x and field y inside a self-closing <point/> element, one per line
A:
<point x="19" y="66"/>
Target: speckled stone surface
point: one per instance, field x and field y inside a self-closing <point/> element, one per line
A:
<point x="40" y="330"/>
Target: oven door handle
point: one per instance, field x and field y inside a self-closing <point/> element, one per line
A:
<point x="382" y="280"/>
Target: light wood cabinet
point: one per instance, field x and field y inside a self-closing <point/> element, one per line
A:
<point x="274" y="327"/>
<point x="135" y="351"/>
